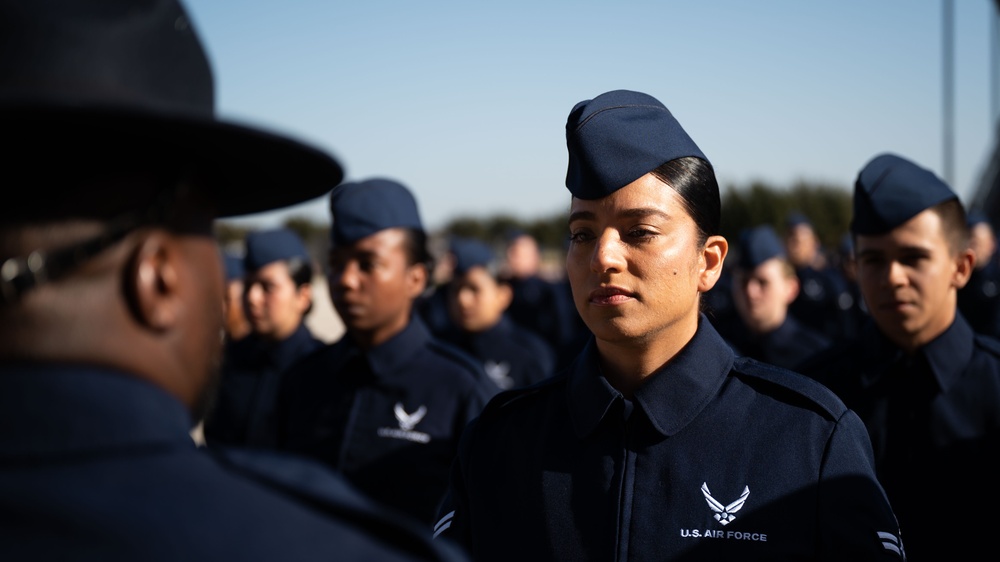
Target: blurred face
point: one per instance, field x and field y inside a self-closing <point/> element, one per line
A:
<point x="523" y="258"/>
<point x="636" y="267"/>
<point x="476" y="301"/>
<point x="983" y="243"/>
<point x="274" y="304"/>
<point x="762" y="295"/>
<point x="909" y="278"/>
<point x="801" y="245"/>
<point x="373" y="287"/>
<point x="236" y="325"/>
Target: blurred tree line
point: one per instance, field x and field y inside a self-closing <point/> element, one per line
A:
<point x="828" y="207"/>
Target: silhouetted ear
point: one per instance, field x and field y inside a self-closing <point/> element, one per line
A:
<point x="151" y="281"/>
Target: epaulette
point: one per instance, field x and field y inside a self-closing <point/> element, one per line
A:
<point x="791" y="383"/>
<point x="988" y="343"/>
<point x="506" y="398"/>
<point x="455" y="354"/>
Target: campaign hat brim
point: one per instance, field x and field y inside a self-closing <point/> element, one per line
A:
<point x="246" y="169"/>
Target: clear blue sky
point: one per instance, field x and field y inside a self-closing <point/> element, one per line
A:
<point x="465" y="102"/>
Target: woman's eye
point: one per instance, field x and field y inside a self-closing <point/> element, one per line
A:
<point x="640" y="233"/>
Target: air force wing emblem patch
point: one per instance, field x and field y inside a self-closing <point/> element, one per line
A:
<point x="724" y="513"/>
<point x="408" y="421"/>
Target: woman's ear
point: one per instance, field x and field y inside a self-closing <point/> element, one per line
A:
<point x="713" y="255"/>
<point x="506" y="294"/>
<point x="416" y="280"/>
<point x="151" y="281"/>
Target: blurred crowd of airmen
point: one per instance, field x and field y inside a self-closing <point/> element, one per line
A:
<point x="674" y="396"/>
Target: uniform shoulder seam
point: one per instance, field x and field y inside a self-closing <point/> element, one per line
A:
<point x="988" y="343"/>
<point x="793" y="382"/>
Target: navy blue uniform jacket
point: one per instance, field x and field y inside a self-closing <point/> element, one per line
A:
<point x="511" y="355"/>
<point x="244" y="410"/>
<point x="787" y="346"/>
<point x="934" y="421"/>
<point x="389" y="419"/>
<point x="99" y="465"/>
<point x="716" y="458"/>
<point x="979" y="299"/>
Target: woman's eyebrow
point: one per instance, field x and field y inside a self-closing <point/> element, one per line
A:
<point x="644" y="212"/>
<point x="637" y="212"/>
<point x="581" y="216"/>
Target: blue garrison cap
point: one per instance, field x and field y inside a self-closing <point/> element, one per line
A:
<point x="846" y="247"/>
<point x="796" y="218"/>
<point x="891" y="190"/>
<point x="759" y="244"/>
<point x="974" y="217"/>
<point x="512" y="234"/>
<point x="234" y="266"/>
<point x="268" y="246"/>
<point x="360" y="209"/>
<point x="469" y="253"/>
<point x="618" y="137"/>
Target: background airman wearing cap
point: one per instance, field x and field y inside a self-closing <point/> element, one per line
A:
<point x="925" y="384"/>
<point x="386" y="403"/>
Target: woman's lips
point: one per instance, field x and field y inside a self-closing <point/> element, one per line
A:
<point x="610" y="296"/>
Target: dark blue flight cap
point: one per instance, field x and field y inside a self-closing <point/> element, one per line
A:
<point x="618" y="137"/>
<point x="759" y="244"/>
<point x="891" y="190"/>
<point x="974" y="217"/>
<point x="469" y="253"/>
<point x="796" y="218"/>
<point x="234" y="266"/>
<point x="512" y="234"/>
<point x="267" y="246"/>
<point x="846" y="247"/>
<point x="360" y="209"/>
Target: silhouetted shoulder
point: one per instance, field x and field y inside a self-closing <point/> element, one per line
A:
<point x="320" y="489"/>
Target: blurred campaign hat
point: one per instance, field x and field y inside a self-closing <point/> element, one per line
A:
<point x="360" y="209"/>
<point x="121" y="79"/>
<point x="759" y="244"/>
<point x="469" y="253"/>
<point x="891" y="190"/>
<point x="268" y="246"/>
<point x="234" y="266"/>
<point x="618" y="137"/>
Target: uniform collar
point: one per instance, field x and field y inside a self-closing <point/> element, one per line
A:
<point x="500" y="330"/>
<point x="947" y="355"/>
<point x="283" y="353"/>
<point x="950" y="353"/>
<point x="785" y="332"/>
<point x="392" y="357"/>
<point x="48" y="409"/>
<point x="670" y="398"/>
